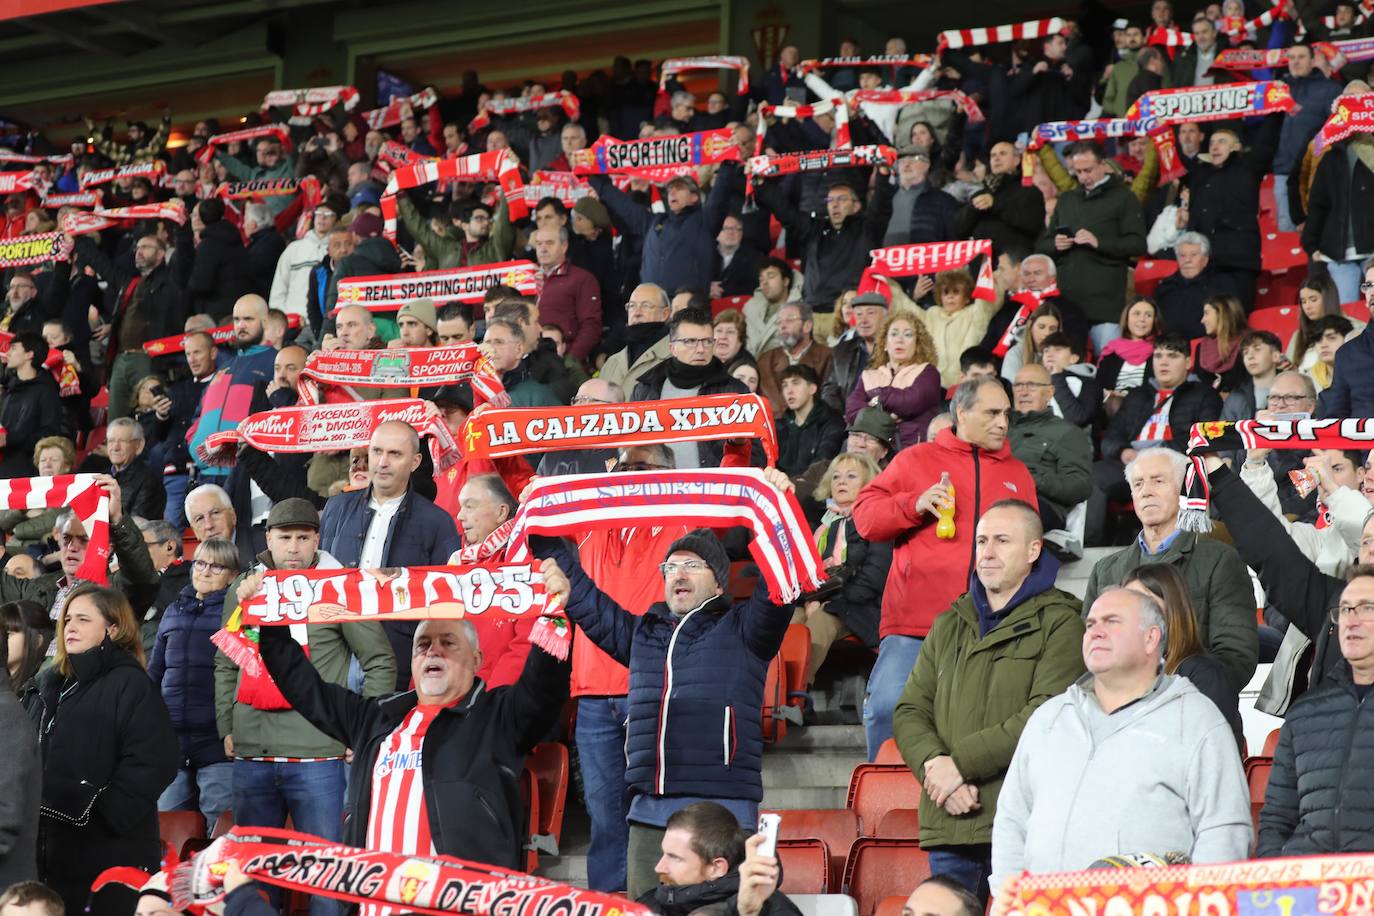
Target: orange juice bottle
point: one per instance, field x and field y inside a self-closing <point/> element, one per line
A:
<point x="944" y="528"/>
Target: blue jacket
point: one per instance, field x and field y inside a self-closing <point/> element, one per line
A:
<point x="183" y="665"/>
<point x="421" y="534"/>
<point x="1314" y="93"/>
<point x="1352" y="386"/>
<point x="696" y="684"/>
<point x="228" y="398"/>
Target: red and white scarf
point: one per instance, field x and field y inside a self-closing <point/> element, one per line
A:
<point x="271" y="187"/>
<point x="506" y="107"/>
<point x="911" y="96"/>
<point x="500" y="166"/>
<point x="713" y="62"/>
<point x="306" y="103"/>
<point x="247" y="135"/>
<point x="388" y="292"/>
<point x="11" y="156"/>
<point x="1351" y="114"/>
<point x="15" y="182"/>
<point x="928" y="258"/>
<point x="1212" y="103"/>
<point x="491" y="548"/>
<point x="835" y="106"/>
<point x="389" y="115"/>
<point x="820" y="160"/>
<point x="1246" y="28"/>
<point x="27" y="250"/>
<point x="79" y="223"/>
<point x="1170" y="37"/>
<point x="330" y="428"/>
<point x="510" y="431"/>
<point x="900" y="61"/>
<point x="567" y="187"/>
<point x="78" y="199"/>
<point x="782" y="544"/>
<point x="224" y="334"/>
<point x="609" y="156"/>
<point x="404" y="367"/>
<point x="1170" y="166"/>
<point x="999" y="34"/>
<point x="1029" y="300"/>
<point x="153" y="171"/>
<point x="83" y="494"/>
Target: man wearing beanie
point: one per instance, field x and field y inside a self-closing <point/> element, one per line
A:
<point x="291" y="282"/>
<point x="697" y="665"/>
<point x="418" y="323"/>
<point x="591" y="249"/>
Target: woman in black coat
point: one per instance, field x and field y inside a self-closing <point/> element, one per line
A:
<point x="108" y="752"/>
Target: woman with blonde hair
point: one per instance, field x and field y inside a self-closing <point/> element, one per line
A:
<point x="1218" y="354"/>
<point x="851" y="600"/>
<point x="731" y="339"/>
<point x="108" y="750"/>
<point x="901" y="377"/>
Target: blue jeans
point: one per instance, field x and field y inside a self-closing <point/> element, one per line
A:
<point x="1103" y="334"/>
<point x="896" y="658"/>
<point x="1347" y="275"/>
<point x="969" y="865"/>
<point x="209" y="789"/>
<point x="1283" y="215"/>
<point x="600" y="739"/>
<point x="313" y="794"/>
<point x="176" y="486"/>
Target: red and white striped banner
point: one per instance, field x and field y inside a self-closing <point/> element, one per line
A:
<point x="998" y="34"/>
<point x="388" y="292"/>
<point x="899" y="61"/>
<point x="83" y="494"/>
<point x="79" y="199"/>
<point x="911" y="96"/>
<point x="836" y="107"/>
<point x="521" y="104"/>
<point x="77" y="223"/>
<point x="166" y="346"/>
<point x="929" y="258"/>
<point x="389" y="115"/>
<point x="306" y="103"/>
<point x="500" y="166"/>
<point x="247" y="135"/>
<point x="11" y="156"/>
<point x="1169" y="37"/>
<point x="153" y="171"/>
<point x="734" y="62"/>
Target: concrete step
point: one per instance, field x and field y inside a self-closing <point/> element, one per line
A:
<point x="782" y="797"/>
<point x="819" y="737"/>
<point x="812" y="769"/>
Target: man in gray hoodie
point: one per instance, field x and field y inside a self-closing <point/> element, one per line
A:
<point x="1127" y="760"/>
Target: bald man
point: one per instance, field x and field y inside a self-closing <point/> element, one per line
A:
<point x="389" y="524"/>
<point x="1058" y="454"/>
<point x="354" y="329"/>
<point x="585" y="460"/>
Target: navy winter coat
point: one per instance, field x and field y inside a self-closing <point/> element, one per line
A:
<point x="1352" y="387"/>
<point x="182" y="663"/>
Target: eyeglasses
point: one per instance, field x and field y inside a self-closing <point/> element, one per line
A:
<point x="695" y="343"/>
<point x="638" y="466"/>
<point x="207" y="566"/>
<point x="1364" y="611"/>
<point x="669" y="569"/>
<point x="582" y="400"/>
<point x="1025" y="386"/>
<point x="1288" y="399"/>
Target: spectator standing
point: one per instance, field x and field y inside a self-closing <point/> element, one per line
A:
<point x="920" y="212"/>
<point x="1352" y="383"/>
<point x="850" y="356"/>
<point x="1313" y="92"/>
<point x="473" y="236"/>
<point x="1001" y="209"/>
<point x="1336" y="231"/>
<point x="265" y="248"/>
<point x="30" y="408"/>
<point x="1048" y="88"/>
<point x="778" y="286"/>
<point x="737" y="264"/>
<point x="809" y="430"/>
<point x="1193" y="65"/>
<point x="219" y="267"/>
<point x="269" y="161"/>
<point x="292" y="277"/>
<point x="569" y="296"/>
<point x="955" y="323"/>
<point x="21" y="774"/>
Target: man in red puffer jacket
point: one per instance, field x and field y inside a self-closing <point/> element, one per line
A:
<point x="901" y="505"/>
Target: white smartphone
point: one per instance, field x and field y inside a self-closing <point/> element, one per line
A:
<point x="768" y="826"/>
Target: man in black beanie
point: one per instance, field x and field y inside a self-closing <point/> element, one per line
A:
<point x="697" y="661"/>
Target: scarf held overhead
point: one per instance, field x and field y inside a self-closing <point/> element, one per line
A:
<point x="388" y="292"/>
<point x="999" y="34"/>
<point x="30" y="249"/>
<point x="1212" y="103"/>
<point x="500" y="166"/>
<point x="306" y="103"/>
<point x="514" y="431"/>
<point x="836" y="107"/>
<point x="390" y="114"/>
<point x="713" y="62"/>
<point x="223" y="335"/>
<point x="782" y="544"/>
<point x="77" y="223"/>
<point x="900" y="61"/>
<point x="608" y="156"/>
<point x="1351" y="114"/>
<point x="911" y="96"/>
<point x="519" y="105"/>
<point x="83" y="494"/>
<point x="152" y="170"/>
<point x="404" y="367"/>
<point x="1170" y="166"/>
<point x="247" y="135"/>
<point x="820" y="160"/>
<point x="929" y="258"/>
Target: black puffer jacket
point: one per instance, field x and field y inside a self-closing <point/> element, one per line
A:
<point x="866" y="565"/>
<point x="650" y="388"/>
<point x="718" y="898"/>
<point x="1320" y="798"/>
<point x="1193" y="403"/>
<point x="1333" y="225"/>
<point x="219" y="274"/>
<point x="1224" y="202"/>
<point x="140" y="489"/>
<point x="373" y="255"/>
<point x="1014" y="220"/>
<point x="29" y="410"/>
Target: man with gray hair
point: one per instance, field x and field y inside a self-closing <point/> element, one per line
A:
<point x="585" y="460"/>
<point x="570" y="296"/>
<point x="1181" y="295"/>
<point x="140" y="487"/>
<point x="796" y="346"/>
<point x="1128" y="761"/>
<point x="646" y="336"/>
<point x="210" y="512"/>
<point x="1218" y="581"/>
<point x="265" y="247"/>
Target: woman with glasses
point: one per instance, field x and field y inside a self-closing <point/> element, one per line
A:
<point x="901" y="377"/>
<point x="183" y="666"/>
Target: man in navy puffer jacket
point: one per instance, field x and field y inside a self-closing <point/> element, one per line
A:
<point x="697" y="666"/>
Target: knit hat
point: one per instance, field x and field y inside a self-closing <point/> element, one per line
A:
<point x="875" y="422"/>
<point x="594" y="211"/>
<point x="422" y="310"/>
<point x="706" y="545"/>
<point x="366" y="225"/>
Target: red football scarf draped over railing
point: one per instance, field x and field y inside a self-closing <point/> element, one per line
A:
<point x="917" y="61"/>
<point x="713" y="62"/>
<point x="820" y="160"/>
<point x="388" y="292"/>
<point x="389" y="115"/>
<point x="153" y="171"/>
<point x="835" y="107"/>
<point x="27" y="250"/>
<point x="999" y="34"/>
<point x="404" y="367"/>
<point x="911" y="96"/>
<point x="500" y="166"/>
<point x="247" y="135"/>
<point x="330" y="428"/>
<point x="428" y="885"/>
<point x="782" y="544"/>
<point x="929" y="258"/>
<point x="1212" y="103"/>
<point x="1352" y="114"/>
<point x="76" y="223"/>
<point x="306" y="103"/>
<point x="528" y="431"/>
<point x="1228" y="436"/>
<point x="83" y="494"/>
<point x="224" y="334"/>
<point x="505" y="107"/>
<point x="609" y="156"/>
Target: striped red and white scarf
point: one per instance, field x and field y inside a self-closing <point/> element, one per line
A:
<point x="388" y="292"/>
<point x="247" y="135"/>
<point x="900" y="61"/>
<point x="306" y="103"/>
<point x="1029" y="300"/>
<point x="78" y="199"/>
<point x="492" y="547"/>
<point x="224" y="334"/>
<point x="820" y="160"/>
<point x="7" y="155"/>
<point x="1246" y="28"/>
<point x="83" y="494"/>
<point x="1351" y="114"/>
<point x="1212" y="103"/>
<point x="500" y="433"/>
<point x="506" y="107"/>
<point x="911" y="96"/>
<point x="389" y="115"/>
<point x="153" y="171"/>
<point x="609" y="156"/>
<point x="835" y="106"/>
<point x="1170" y="167"/>
<point x="271" y="187"/>
<point x="27" y="250"/>
<point x="403" y="367"/>
<point x="1170" y="37"/>
<point x="709" y="498"/>
<point x="929" y="258"/>
<point x="999" y="34"/>
<point x="76" y="222"/>
<point x="15" y="182"/>
<point x="734" y="62"/>
<point x="500" y="166"/>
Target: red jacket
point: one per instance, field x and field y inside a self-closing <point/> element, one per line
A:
<point x="515" y="472"/>
<point x="571" y="299"/>
<point x="927" y="573"/>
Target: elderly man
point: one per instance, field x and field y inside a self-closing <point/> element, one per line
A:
<point x="141" y="488"/>
<point x="737" y="264"/>
<point x="851" y="355"/>
<point x="1217" y="579"/>
<point x="1127" y="760"/>
<point x="354" y="329"/>
<point x="1006" y="646"/>
<point x="959" y="475"/>
<point x="796" y="347"/>
<point x="504" y="346"/>
<point x="920" y="212"/>
<point x="210" y="513"/>
<point x="1058" y="454"/>
<point x="646" y="336"/>
<point x="585" y="460"/>
<point x="1180" y="296"/>
<point x="1035" y="280"/>
<point x="570" y="296"/>
<point x="697" y="658"/>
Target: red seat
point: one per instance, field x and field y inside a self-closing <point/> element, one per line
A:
<point x="774" y="725"/>
<point x="888" y="753"/>
<point x="1282" y="320"/>
<point x="1271" y="744"/>
<point x="875" y="788"/>
<point x="882" y="868"/>
<point x="549" y="763"/>
<point x="744" y="576"/>
<point x="900" y="823"/>
<point x="1277" y="289"/>
<point x="796" y="659"/>
<point x="177" y="828"/>
<point x="1281" y="252"/>
<point x="1257" y="775"/>
<point x="838" y="828"/>
<point x="222" y="824"/>
<point x="1149" y="272"/>
<point x="891" y="906"/>
<point x="1356" y="310"/>
<point x="727" y="302"/>
<point x="805" y="866"/>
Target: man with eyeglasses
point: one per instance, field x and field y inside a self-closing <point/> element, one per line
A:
<point x="737" y="264"/>
<point x="474" y="236"/>
<point x="1352" y="383"/>
<point x="504" y="347"/>
<point x="1058" y="454"/>
<point x="646" y="336"/>
<point x="270" y="162"/>
<point x="1291" y="395"/>
<point x="25" y="311"/>
<point x="596" y="391"/>
<point x="699" y="737"/>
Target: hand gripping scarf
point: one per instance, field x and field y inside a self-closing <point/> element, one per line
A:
<point x="166" y="346"/>
<point x="820" y="160"/>
<point x="330" y="428"/>
<point x="505" y="107"/>
<point x="500" y="433"/>
<point x="911" y="96"/>
<point x="30" y="249"/>
<point x="1170" y="167"/>
<point x="247" y="135"/>
<point x="78" y="199"/>
<point x="14" y="182"/>
<point x="929" y="258"/>
<point x="835" y="106"/>
<point x="1351" y="114"/>
<point x="389" y="115"/>
<point x="916" y="61"/>
<point x="609" y="156"/>
<point x="999" y="34"/>
<point x="77" y="223"/>
<point x="429" y="885"/>
<point x="1239" y="29"/>
<point x="81" y="493"/>
<point x="1029" y="300"/>
<point x="500" y="166"/>
<point x="1229" y="436"/>
<point x="711" y="498"/>
<point x="306" y="103"/>
<point x="1212" y="103"/>
<point x="388" y="292"/>
<point x="713" y="62"/>
<point x="404" y="367"/>
<point x="153" y="171"/>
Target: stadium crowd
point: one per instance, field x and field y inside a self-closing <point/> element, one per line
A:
<point x="951" y="436"/>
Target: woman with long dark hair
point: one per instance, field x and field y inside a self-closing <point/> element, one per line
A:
<point x="28" y="633"/>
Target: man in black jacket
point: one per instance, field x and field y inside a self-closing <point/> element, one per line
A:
<point x="850" y="356"/>
<point x="141" y="488"/>
<point x="810" y="430"/>
<point x="25" y="309"/>
<point x="31" y="407"/>
<point x="265" y="247"/>
<point x="467" y="742"/>
<point x="1181" y="295"/>
<point x="219" y="262"/>
<point x="1003" y="210"/>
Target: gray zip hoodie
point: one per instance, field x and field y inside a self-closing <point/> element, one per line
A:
<point x="1158" y="775"/>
